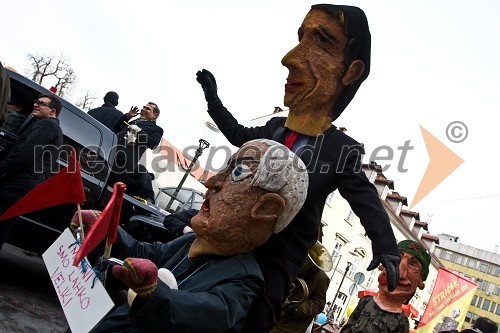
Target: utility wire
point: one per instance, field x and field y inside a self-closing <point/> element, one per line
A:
<point x="471" y="198"/>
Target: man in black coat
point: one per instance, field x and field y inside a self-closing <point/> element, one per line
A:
<point x="134" y="138"/>
<point x="31" y="159"/>
<point x="4" y="94"/>
<point x="326" y="68"/>
<point x="108" y="114"/>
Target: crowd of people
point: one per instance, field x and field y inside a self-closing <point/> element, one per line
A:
<point x="234" y="261"/>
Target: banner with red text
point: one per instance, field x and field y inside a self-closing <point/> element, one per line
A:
<point x="448" y="304"/>
<point x="83" y="299"/>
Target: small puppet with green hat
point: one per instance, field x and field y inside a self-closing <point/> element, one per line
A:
<point x="382" y="312"/>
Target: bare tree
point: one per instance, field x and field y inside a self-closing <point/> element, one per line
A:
<point x="57" y="69"/>
<point x="88" y="101"/>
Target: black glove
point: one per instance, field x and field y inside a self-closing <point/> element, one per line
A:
<point x="290" y="309"/>
<point x="207" y="81"/>
<point x="391" y="264"/>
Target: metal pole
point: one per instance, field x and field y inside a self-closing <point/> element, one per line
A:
<point x="329" y="312"/>
<point x="336" y="265"/>
<point x="203" y="144"/>
<point x="341" y="282"/>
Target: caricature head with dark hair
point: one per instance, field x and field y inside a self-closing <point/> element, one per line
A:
<point x="486" y="325"/>
<point x="327" y="67"/>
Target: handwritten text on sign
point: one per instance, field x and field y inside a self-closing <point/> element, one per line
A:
<point x="83" y="305"/>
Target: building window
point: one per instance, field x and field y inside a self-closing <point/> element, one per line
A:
<point x="354" y="267"/>
<point x="493" y="306"/>
<point x="383" y="196"/>
<point x="350" y="217"/>
<point x="474" y="299"/>
<point x="329" y="198"/>
<point x="486" y="304"/>
<point x="479" y="302"/>
<point x="371" y="278"/>
<point x="498" y="310"/>
<point x="484" y="267"/>
<point x="447" y="256"/>
<point x="497" y="271"/>
<point x="464" y="263"/>
<point x="474" y="317"/>
<point x="491" y="288"/>
<point x="497" y="291"/>
<point x="336" y="253"/>
<point x="468" y="317"/>
<point x="485" y="284"/>
<point x="472" y="262"/>
<point x="459" y="259"/>
<point x="342" y="297"/>
<point x="373" y="176"/>
<point x="437" y="252"/>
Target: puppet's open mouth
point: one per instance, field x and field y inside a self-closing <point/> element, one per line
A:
<point x="293" y="84"/>
<point x="206" y="205"/>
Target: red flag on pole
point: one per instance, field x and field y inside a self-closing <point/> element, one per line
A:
<point x="105" y="225"/>
<point x="64" y="187"/>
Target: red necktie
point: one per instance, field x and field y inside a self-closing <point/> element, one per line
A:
<point x="290" y="139"/>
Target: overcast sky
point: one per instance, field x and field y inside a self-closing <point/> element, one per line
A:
<point x="433" y="62"/>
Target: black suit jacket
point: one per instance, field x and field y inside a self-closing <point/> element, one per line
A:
<point x="149" y="137"/>
<point x="333" y="162"/>
<point x="27" y="166"/>
<point x="107" y="115"/>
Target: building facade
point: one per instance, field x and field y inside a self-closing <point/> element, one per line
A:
<point x="479" y="266"/>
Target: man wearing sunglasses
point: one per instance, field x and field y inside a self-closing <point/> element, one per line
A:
<point x="31" y="159"/>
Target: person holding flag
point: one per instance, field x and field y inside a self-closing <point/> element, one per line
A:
<point x="31" y="159"/>
<point x="214" y="276"/>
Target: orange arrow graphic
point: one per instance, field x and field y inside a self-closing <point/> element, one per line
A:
<point x="442" y="162"/>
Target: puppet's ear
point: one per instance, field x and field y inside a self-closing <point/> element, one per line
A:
<point x="268" y="208"/>
<point x="421" y="284"/>
<point x="353" y="72"/>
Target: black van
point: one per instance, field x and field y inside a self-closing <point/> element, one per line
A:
<point x="95" y="147"/>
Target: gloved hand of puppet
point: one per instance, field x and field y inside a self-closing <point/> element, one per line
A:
<point x="391" y="264"/>
<point x="141" y="276"/>
<point x="88" y="219"/>
<point x="207" y="82"/>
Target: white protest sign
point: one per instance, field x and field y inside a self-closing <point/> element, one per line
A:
<point x="83" y="305"/>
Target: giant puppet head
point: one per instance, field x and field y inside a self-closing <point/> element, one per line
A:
<point x="413" y="271"/>
<point x="259" y="192"/>
<point x="327" y="67"/>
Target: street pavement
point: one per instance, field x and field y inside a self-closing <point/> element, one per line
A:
<point x="28" y="302"/>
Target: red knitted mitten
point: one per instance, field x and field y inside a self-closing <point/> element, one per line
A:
<point x="88" y="219"/>
<point x="140" y="275"/>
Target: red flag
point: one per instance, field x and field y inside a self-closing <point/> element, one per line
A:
<point x="63" y="187"/>
<point x="105" y="225"/>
